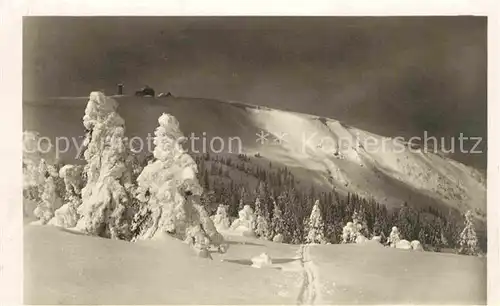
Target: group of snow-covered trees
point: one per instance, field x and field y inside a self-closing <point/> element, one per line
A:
<point x="41" y="181"/>
<point x="314" y="229"/>
<point x="111" y="196"/>
<point x="344" y="220"/>
<point x="355" y="231"/>
<point x="228" y="180"/>
<point x="115" y="195"/>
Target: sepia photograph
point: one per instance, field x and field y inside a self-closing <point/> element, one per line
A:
<point x="265" y="160"/>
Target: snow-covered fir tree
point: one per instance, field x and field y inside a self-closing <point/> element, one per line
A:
<point x="159" y="184"/>
<point x="207" y="229"/>
<point x="105" y="203"/>
<point x="221" y="218"/>
<point x="170" y="192"/>
<point x="33" y="179"/>
<point x="243" y="198"/>
<point x="72" y="177"/>
<point x="359" y="222"/>
<point x="262" y="229"/>
<point x="278" y="225"/>
<point x="468" y="239"/>
<point x="198" y="241"/>
<point x="49" y="201"/>
<point x="406" y="220"/>
<point x="265" y="204"/>
<point x="422" y="236"/>
<point x="292" y="220"/>
<point x="245" y="221"/>
<point x="355" y="230"/>
<point x="349" y="233"/>
<point x="316" y="227"/>
<point x="67" y="215"/>
<point x="394" y="237"/>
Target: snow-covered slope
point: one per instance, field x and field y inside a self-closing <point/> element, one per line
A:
<point x="319" y="150"/>
<point x="371" y="274"/>
<point x="63" y="267"/>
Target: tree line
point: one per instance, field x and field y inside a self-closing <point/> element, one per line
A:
<point x="277" y="190"/>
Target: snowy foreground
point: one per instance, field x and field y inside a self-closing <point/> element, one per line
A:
<point x="64" y="267"/>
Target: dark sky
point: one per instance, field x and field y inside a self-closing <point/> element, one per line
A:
<point x="390" y="75"/>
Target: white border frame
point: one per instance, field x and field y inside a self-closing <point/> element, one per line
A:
<point x="11" y="228"/>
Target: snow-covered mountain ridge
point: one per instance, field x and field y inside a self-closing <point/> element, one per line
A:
<point x="318" y="150"/>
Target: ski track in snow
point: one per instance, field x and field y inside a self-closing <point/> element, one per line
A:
<point x="309" y="291"/>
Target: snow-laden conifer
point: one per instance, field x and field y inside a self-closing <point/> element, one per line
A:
<point x="316" y="227"/>
<point x="278" y="225"/>
<point x="33" y="179"/>
<point x="105" y="203"/>
<point x="170" y="192"/>
<point x="468" y="239"/>
<point x="221" y="218"/>
<point x="394" y="237"/>
<point x="44" y="210"/>
<point x="262" y="228"/>
<point x="67" y="215"/>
